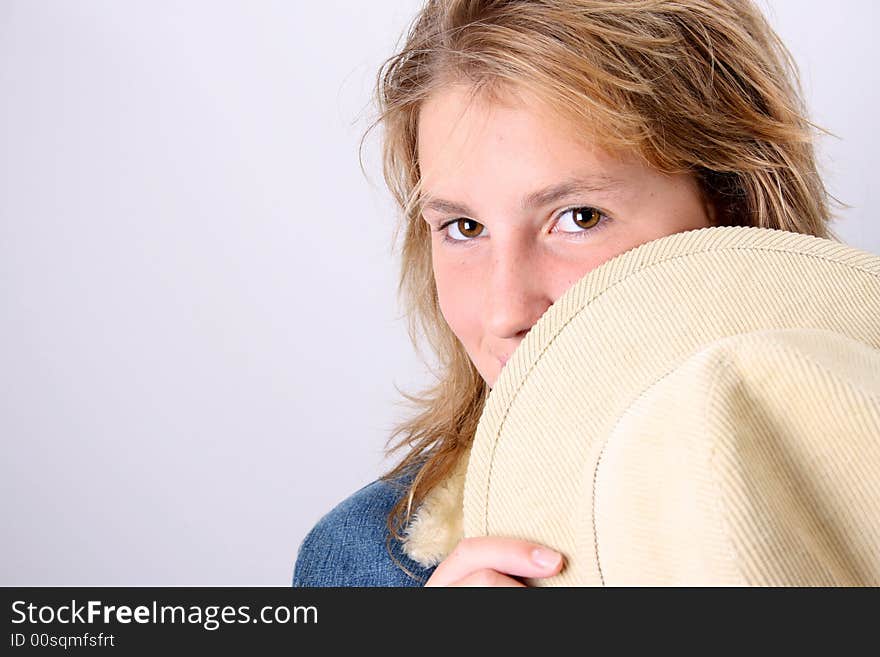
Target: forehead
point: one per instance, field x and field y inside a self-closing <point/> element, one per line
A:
<point x="517" y="139"/>
<point x="458" y="113"/>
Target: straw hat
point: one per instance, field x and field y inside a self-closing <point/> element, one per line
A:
<point x="703" y="409"/>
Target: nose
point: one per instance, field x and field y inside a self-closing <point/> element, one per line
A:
<point x="516" y="294"/>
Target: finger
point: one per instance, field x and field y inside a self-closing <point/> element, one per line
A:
<point x="506" y="555"/>
<point x="488" y="577"/>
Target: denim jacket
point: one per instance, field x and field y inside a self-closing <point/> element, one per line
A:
<point x="347" y="547"/>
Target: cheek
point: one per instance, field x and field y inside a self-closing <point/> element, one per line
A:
<point x="459" y="303"/>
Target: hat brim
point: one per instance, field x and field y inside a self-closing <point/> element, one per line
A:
<point x="616" y="333"/>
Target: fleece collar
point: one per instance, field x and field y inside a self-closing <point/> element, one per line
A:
<point x="437" y="525"/>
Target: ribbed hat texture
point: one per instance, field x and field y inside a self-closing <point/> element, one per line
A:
<point x="703" y="409"/>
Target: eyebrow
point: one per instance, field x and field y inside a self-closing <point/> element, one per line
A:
<point x="538" y="198"/>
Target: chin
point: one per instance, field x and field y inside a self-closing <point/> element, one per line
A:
<point x="488" y="376"/>
<point x="489" y="381"/>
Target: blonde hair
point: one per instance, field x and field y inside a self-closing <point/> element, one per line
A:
<point x="699" y="86"/>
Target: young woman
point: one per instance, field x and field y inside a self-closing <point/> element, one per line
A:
<point x="526" y="143"/>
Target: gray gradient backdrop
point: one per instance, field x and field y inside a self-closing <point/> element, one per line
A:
<point x="200" y="336"/>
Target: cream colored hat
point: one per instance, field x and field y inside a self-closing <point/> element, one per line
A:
<point x="701" y="410"/>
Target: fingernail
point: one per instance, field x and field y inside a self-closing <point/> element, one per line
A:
<point x="546" y="558"/>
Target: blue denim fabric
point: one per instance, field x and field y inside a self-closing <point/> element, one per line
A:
<point x="347" y="547"/>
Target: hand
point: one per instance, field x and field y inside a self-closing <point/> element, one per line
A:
<point x="494" y="561"/>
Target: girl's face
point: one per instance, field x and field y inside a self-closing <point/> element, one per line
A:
<point x="520" y="211"/>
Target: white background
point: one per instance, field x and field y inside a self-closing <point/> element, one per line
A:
<point x="200" y="338"/>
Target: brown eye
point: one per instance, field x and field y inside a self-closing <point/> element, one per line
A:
<point x="469" y="227"/>
<point x="586" y="217"/>
<point x="581" y="221"/>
